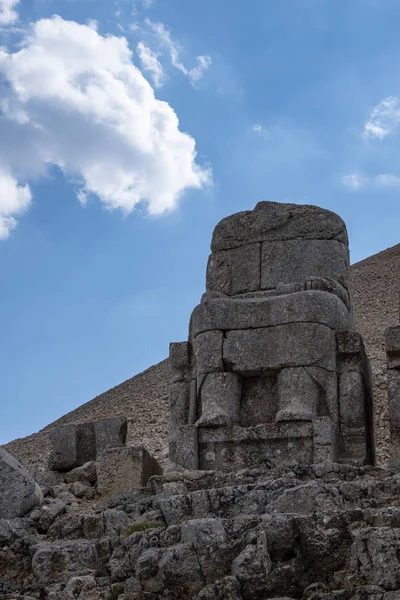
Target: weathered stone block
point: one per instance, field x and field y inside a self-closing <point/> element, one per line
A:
<point x="220" y="400"/>
<point x="235" y="271"/>
<point x="320" y="258"/>
<point x="110" y="432"/>
<point x="251" y="313"/>
<point x="19" y="492"/>
<point x="179" y="406"/>
<point x="234" y="448"/>
<point x="72" y="445"/>
<point x="186" y="453"/>
<point x="271" y="221"/>
<point x="207" y="350"/>
<point x="393" y="381"/>
<point x="295" y="344"/>
<point x="349" y="342"/>
<point x="298" y="395"/>
<point x="352" y="395"/>
<point x="325" y="443"/>
<point x="120" y="469"/>
<point x="179" y="354"/>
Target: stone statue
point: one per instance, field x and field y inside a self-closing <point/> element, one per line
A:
<point x="273" y="372"/>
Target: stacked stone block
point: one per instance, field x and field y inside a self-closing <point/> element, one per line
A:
<point x="392" y="340"/>
<point x="273" y="371"/>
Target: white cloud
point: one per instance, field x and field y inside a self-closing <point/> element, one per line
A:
<point x="8" y="13"/>
<point x="356" y="181"/>
<point x="260" y="130"/>
<point x="14" y="199"/>
<point x="163" y="36"/>
<point x="151" y="63"/>
<point x="74" y="99"/>
<point x="384" y="118"/>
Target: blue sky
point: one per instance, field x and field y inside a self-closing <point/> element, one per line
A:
<point x="128" y="129"/>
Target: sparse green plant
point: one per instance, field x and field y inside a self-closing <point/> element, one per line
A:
<point x="137" y="527"/>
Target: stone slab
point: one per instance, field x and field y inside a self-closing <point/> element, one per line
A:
<point x="19" y="492"/>
<point x="234" y="448"/>
<point x="72" y="445"/>
<point x="207" y="350"/>
<point x="220" y="395"/>
<point x="295" y="260"/>
<point x="121" y="469"/>
<point x="186" y="452"/>
<point x="271" y="221"/>
<point x="110" y="432"/>
<point x="292" y="345"/>
<point x="250" y="313"/>
<point x="234" y="271"/>
<point x="392" y="341"/>
<point x="179" y="397"/>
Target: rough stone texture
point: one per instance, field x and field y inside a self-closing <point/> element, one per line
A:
<point x="125" y="468"/>
<point x="274" y="221"/>
<point x="19" y="492"/>
<point x="232" y="273"/>
<point x="317" y="532"/>
<point x="307" y="306"/>
<point x="321" y="258"/>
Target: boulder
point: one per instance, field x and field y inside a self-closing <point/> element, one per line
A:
<point x="19" y="492"/>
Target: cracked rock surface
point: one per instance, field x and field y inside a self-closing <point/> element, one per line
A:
<point x="328" y="531"/>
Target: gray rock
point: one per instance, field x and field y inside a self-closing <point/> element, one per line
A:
<point x="72" y="445"/>
<point x="234" y="271"/>
<point x="220" y="400"/>
<point x="301" y="307"/>
<point x="85" y="474"/>
<point x="207" y="349"/>
<point x="271" y="221"/>
<point x="110" y="433"/>
<point x="125" y="468"/>
<point x="19" y="492"/>
<point x="294" y="345"/>
<point x="319" y="258"/>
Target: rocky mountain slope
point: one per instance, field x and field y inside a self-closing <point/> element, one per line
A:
<point x="325" y="532"/>
<point x="375" y="284"/>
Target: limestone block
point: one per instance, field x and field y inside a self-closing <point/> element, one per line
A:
<point x="349" y="343"/>
<point x="19" y="492"/>
<point x="325" y="444"/>
<point x="186" y="454"/>
<point x="207" y="350"/>
<point x="234" y="447"/>
<point x="250" y="313"/>
<point x="298" y="395"/>
<point x="125" y="468"/>
<point x="298" y="259"/>
<point x="392" y="340"/>
<point x="179" y="397"/>
<point x="220" y="400"/>
<point x="327" y="284"/>
<point x="72" y="445"/>
<point x="179" y="354"/>
<point x="110" y="432"/>
<point x="84" y="474"/>
<point x="271" y="221"/>
<point x="295" y="344"/>
<point x="393" y="380"/>
<point x="234" y="271"/>
<point x="352" y="396"/>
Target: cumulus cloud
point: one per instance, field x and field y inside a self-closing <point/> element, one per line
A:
<point x="151" y="63"/>
<point x="356" y="181"/>
<point x="195" y="74"/>
<point x="74" y="99"/>
<point x="384" y="118"/>
<point x="14" y="199"/>
<point x="8" y="14"/>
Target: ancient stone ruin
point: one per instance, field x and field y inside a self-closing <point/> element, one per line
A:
<point x="271" y="491"/>
<point x="273" y="372"/>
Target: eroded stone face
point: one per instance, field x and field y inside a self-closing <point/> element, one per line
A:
<point x="272" y="365"/>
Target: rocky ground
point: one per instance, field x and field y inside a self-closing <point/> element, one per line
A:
<point x="325" y="531"/>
